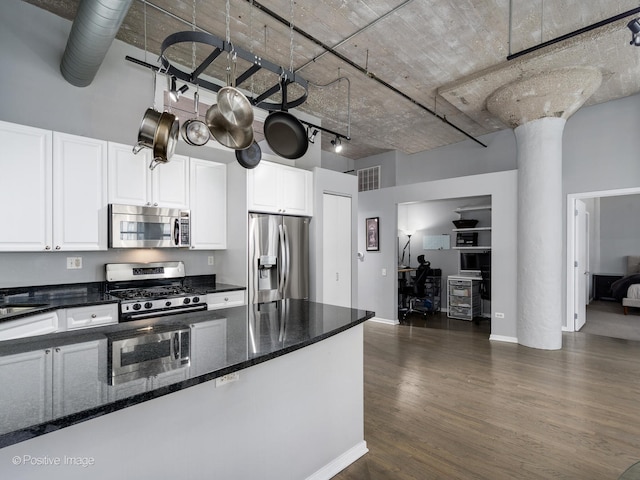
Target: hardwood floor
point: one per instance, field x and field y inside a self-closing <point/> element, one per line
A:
<point x="447" y="403"/>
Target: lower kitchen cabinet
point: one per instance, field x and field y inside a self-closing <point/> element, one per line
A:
<point x="141" y="385"/>
<point x="29" y="399"/>
<point x="208" y="346"/>
<point x="32" y="325"/>
<point x="77" y="380"/>
<point x="50" y="383"/>
<point x="225" y="299"/>
<point x="93" y="316"/>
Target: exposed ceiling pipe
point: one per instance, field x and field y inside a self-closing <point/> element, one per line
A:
<point x="94" y="29"/>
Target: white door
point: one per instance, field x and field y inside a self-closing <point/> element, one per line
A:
<point x="336" y="250"/>
<point x="581" y="265"/>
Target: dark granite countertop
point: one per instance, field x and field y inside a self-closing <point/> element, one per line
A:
<point x="44" y="299"/>
<point x="222" y="342"/>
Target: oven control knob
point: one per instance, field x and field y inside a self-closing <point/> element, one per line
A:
<point x="196" y="299"/>
<point x="167" y="304"/>
<point x="187" y="300"/>
<point x="148" y="305"/>
<point x="137" y="306"/>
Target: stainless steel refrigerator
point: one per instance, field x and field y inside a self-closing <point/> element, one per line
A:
<point x="278" y="257"/>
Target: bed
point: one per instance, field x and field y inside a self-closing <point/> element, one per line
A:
<point x="627" y="289"/>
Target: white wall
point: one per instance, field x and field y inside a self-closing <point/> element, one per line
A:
<point x="619" y="232"/>
<point x="377" y="291"/>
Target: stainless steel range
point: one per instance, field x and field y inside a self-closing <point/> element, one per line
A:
<point x="151" y="289"/>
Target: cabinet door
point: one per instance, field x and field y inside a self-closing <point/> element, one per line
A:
<point x="208" y="346"/>
<point x="263" y="188"/>
<point x="77" y="381"/>
<point x="30" y="326"/>
<point x="25" y="188"/>
<point x="208" y="205"/>
<point x="167" y="378"/>
<point x="129" y="175"/>
<point x="93" y="316"/>
<point x="128" y="389"/>
<point x="79" y="193"/>
<point x="296" y="188"/>
<point x="170" y="183"/>
<point x="225" y="299"/>
<point x="25" y="395"/>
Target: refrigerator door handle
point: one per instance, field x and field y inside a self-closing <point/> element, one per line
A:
<point x="287" y="256"/>
<point x="283" y="263"/>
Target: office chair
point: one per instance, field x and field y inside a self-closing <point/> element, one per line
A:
<point x="424" y="292"/>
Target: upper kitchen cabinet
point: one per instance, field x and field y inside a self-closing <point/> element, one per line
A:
<point x="208" y="205"/>
<point x="132" y="182"/>
<point x="276" y="188"/>
<point x="59" y="183"/>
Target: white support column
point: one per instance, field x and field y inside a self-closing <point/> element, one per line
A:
<point x="537" y="108"/>
<point x="540" y="233"/>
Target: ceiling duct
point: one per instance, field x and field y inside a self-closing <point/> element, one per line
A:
<point x="94" y="29"/>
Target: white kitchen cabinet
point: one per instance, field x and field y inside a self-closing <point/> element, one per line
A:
<point x="25" y="187"/>
<point x="79" y="193"/>
<point x="167" y="378"/>
<point x="208" y="204"/>
<point x="132" y="182"/>
<point x="275" y="188"/>
<point x="219" y="300"/>
<point x="58" y="183"/>
<point x="208" y="346"/>
<point x="32" y="325"/>
<point x="77" y="381"/>
<point x="26" y="393"/>
<point x="92" y="316"/>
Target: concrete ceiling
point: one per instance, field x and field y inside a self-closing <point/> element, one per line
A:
<point x="447" y="56"/>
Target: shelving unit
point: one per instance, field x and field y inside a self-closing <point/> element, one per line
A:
<point x="463" y="297"/>
<point x="461" y="211"/>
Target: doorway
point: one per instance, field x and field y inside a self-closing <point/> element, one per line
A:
<point x="577" y="237"/>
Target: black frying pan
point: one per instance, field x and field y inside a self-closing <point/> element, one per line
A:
<point x="249" y="157"/>
<point x="285" y="135"/>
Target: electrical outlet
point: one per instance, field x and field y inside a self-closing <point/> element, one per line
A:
<point x="228" y="378"/>
<point x="384" y="272"/>
<point x="74" y="263"/>
<point x="210" y="259"/>
<point x="499" y="315"/>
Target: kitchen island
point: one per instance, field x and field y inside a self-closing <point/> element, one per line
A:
<point x="271" y="391"/>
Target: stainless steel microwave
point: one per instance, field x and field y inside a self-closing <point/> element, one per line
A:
<point x="133" y="226"/>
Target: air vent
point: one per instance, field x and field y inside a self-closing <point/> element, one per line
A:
<point x="369" y="178"/>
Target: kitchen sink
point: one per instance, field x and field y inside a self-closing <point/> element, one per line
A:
<point x="19" y="308"/>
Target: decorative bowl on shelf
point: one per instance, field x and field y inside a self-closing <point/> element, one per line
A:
<point x="465" y="223"/>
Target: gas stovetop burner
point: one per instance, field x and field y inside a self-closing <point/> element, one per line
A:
<point x="153" y="292"/>
<point x="152" y="289"/>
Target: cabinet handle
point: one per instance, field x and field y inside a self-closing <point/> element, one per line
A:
<point x="57" y="247"/>
<point x="47" y="351"/>
<point x="155" y="204"/>
<point x="226" y="299"/>
<point x="57" y="350"/>
<point x="148" y="204"/>
<point x="93" y="315"/>
<point x="47" y="247"/>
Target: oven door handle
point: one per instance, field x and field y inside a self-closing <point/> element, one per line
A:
<point x="176" y="346"/>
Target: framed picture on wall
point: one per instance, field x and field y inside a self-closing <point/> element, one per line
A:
<point x="373" y="234"/>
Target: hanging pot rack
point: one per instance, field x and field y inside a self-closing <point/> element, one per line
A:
<point x="285" y="76"/>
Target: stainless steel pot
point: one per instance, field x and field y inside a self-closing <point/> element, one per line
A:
<point x="230" y="120"/>
<point x="147" y="130"/>
<point x="166" y="137"/>
<point x="194" y="131"/>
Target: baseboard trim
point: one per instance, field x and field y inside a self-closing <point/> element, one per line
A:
<point x="338" y="464"/>
<point x="384" y="320"/>
<point x="502" y="338"/>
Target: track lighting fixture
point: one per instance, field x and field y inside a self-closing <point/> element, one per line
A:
<point x="337" y="144"/>
<point x="312" y="135"/>
<point x="634" y="26"/>
<point x="175" y="93"/>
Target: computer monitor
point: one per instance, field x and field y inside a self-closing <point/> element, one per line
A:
<point x="475" y="262"/>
